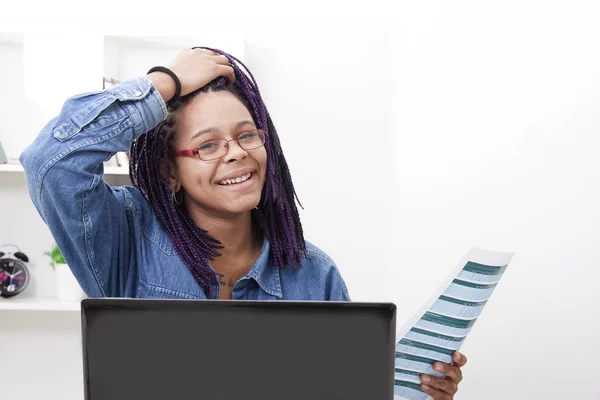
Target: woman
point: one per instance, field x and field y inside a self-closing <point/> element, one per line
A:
<point x="211" y="213"/>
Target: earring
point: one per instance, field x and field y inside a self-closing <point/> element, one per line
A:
<point x="177" y="197"/>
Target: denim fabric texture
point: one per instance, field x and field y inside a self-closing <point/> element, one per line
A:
<point x="109" y="236"/>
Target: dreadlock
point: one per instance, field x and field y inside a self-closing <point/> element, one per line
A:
<point x="276" y="214"/>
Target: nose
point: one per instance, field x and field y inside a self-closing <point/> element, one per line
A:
<point x="234" y="152"/>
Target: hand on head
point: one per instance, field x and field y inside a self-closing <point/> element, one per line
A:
<point x="194" y="68"/>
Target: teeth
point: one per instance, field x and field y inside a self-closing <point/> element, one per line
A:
<point x="236" y="180"/>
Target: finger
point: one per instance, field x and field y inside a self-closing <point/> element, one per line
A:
<point x="451" y="372"/>
<point x="228" y="72"/>
<point x="444" y="385"/>
<point x="220" y="59"/>
<point x="458" y="359"/>
<point x="204" y="51"/>
<point x="436" y="394"/>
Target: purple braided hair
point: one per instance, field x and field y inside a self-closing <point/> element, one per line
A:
<point x="277" y="215"/>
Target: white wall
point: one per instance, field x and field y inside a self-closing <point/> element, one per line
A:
<point x="11" y="82"/>
<point x="483" y="125"/>
<point x="497" y="126"/>
<point x="486" y="118"/>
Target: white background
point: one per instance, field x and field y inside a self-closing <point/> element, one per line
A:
<point x="410" y="141"/>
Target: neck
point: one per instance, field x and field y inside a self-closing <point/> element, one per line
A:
<point x="241" y="244"/>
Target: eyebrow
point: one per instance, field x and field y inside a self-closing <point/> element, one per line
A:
<point x="216" y="130"/>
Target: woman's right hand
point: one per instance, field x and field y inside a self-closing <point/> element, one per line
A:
<point x="195" y="68"/>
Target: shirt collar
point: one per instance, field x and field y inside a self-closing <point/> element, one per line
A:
<point x="265" y="273"/>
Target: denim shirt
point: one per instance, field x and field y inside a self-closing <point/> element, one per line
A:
<point x="109" y="236"/>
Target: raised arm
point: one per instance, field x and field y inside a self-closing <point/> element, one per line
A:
<point x="64" y="167"/>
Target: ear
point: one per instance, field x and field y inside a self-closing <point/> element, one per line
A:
<point x="174" y="184"/>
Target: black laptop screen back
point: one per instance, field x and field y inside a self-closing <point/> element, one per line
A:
<point x="237" y="350"/>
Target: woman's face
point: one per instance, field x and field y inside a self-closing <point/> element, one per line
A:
<point x="207" y="184"/>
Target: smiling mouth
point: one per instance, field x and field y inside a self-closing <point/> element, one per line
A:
<point x="235" y="181"/>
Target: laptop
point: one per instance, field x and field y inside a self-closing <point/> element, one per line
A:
<point x="155" y="349"/>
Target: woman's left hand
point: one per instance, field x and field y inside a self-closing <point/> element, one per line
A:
<point x="444" y="389"/>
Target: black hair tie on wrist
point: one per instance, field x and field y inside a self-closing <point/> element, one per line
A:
<point x="172" y="75"/>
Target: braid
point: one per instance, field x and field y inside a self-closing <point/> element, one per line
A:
<point x="277" y="214"/>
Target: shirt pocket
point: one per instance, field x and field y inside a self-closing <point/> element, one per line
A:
<point x="149" y="291"/>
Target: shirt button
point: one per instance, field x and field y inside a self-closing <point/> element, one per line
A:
<point x="138" y="93"/>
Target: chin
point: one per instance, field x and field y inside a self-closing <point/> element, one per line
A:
<point x="240" y="207"/>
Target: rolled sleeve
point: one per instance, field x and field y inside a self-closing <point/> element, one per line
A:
<point x="148" y="113"/>
<point x="64" y="172"/>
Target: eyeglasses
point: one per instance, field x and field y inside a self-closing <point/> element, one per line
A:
<point x="213" y="149"/>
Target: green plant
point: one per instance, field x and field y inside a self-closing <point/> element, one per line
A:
<point x="55" y="255"/>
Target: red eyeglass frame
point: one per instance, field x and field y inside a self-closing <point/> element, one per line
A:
<point x="194" y="152"/>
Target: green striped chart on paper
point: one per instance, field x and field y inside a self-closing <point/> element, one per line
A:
<point x="442" y="324"/>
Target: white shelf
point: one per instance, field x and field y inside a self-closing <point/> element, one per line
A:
<point x="11" y="167"/>
<point x="38" y="304"/>
<point x="13" y="38"/>
<point x="116" y="171"/>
